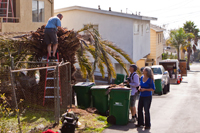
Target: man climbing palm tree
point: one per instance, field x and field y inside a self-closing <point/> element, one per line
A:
<point x="50" y="36"/>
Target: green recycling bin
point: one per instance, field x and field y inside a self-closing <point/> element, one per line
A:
<point x="83" y="93"/>
<point x="119" y="79"/>
<point x="158" y="86"/>
<point x="100" y="98"/>
<point x="119" y="105"/>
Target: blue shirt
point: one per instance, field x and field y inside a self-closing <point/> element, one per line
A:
<point x="53" y="22"/>
<point x="149" y="84"/>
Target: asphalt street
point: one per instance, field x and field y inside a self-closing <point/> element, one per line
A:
<point x="176" y="112"/>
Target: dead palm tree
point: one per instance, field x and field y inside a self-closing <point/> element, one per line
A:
<point x="72" y="46"/>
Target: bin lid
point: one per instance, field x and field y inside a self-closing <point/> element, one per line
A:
<point x="100" y="87"/>
<point x="84" y="84"/>
<point x="121" y="88"/>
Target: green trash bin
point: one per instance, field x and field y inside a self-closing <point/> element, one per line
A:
<point x="83" y="93"/>
<point x="158" y="86"/>
<point x="100" y="98"/>
<point x="119" y="105"/>
<point x="119" y="79"/>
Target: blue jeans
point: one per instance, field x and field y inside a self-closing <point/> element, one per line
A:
<point x="144" y="102"/>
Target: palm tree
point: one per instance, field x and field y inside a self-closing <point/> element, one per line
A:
<point x="178" y="39"/>
<point x="190" y="27"/>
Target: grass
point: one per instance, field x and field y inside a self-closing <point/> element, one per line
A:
<point x="29" y="120"/>
<point x="96" y="124"/>
<point x="92" y="123"/>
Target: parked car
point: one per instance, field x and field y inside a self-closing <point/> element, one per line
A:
<point x="160" y="73"/>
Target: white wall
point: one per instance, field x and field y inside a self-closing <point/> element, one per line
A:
<point x="141" y="47"/>
<point x="118" y="30"/>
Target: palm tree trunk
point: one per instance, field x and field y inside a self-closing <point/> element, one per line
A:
<point x="188" y="58"/>
<point x="178" y="51"/>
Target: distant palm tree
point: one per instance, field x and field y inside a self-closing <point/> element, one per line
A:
<point x="190" y="27"/>
<point x="178" y="39"/>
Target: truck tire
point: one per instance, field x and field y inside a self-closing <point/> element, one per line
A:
<point x="168" y="87"/>
<point x="165" y="89"/>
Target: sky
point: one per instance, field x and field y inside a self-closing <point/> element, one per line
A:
<point x="171" y="14"/>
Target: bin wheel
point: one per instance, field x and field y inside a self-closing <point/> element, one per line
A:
<point x="107" y="113"/>
<point x="160" y="93"/>
<point x="111" y="119"/>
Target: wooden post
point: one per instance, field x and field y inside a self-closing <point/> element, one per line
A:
<point x="55" y="99"/>
<point x="57" y="94"/>
<point x="70" y="87"/>
<point x="67" y="84"/>
<point x="15" y="99"/>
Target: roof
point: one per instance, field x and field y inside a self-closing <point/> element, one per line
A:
<point x="156" y="28"/>
<point x="104" y="12"/>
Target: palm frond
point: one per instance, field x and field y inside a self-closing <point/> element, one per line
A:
<point x="118" y="50"/>
<point x="85" y="64"/>
<point x="100" y="62"/>
<point x="117" y="58"/>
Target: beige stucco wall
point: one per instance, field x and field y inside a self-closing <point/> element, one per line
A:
<point x="24" y="11"/>
<point x="141" y="63"/>
<point x="155" y="46"/>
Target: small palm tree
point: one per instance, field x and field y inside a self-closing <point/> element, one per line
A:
<point x="101" y="51"/>
<point x="179" y="39"/>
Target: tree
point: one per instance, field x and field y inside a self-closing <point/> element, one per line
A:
<point x="190" y="27"/>
<point x="178" y="39"/>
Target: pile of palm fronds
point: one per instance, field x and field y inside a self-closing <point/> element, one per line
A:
<point x="70" y="48"/>
<point x="68" y="45"/>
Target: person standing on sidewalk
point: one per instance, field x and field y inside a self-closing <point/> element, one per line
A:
<point x="50" y="34"/>
<point x="133" y="82"/>
<point x="146" y="88"/>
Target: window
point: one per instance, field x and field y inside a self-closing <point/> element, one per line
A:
<point x="147" y="27"/>
<point x="136" y="28"/>
<point x="142" y="30"/>
<point x="157" y="71"/>
<point x="37" y="11"/>
<point x="158" y="38"/>
<point x="96" y="27"/>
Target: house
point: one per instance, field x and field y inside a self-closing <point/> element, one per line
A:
<point x="129" y="32"/>
<point x="24" y="15"/>
<point x="156" y="47"/>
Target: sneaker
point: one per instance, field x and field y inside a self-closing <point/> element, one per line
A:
<point x="146" y="128"/>
<point x="50" y="57"/>
<point x="139" y="125"/>
<point x="53" y="57"/>
<point x="133" y="120"/>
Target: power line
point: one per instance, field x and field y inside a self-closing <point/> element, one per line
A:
<point x="171" y="7"/>
<point x="181" y="14"/>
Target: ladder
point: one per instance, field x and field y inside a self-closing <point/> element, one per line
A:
<point x="49" y="81"/>
<point x="5" y="7"/>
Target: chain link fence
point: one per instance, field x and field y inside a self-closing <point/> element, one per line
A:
<point x="47" y="84"/>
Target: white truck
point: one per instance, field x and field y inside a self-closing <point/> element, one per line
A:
<point x="161" y="75"/>
<point x="172" y="66"/>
